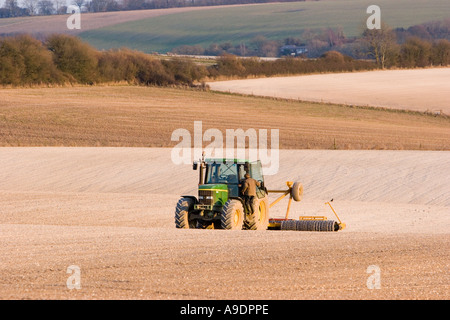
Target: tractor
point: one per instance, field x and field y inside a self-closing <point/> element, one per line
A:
<point x="220" y="204"/>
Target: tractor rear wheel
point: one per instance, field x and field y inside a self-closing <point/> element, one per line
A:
<point x="184" y="206"/>
<point x="232" y="216"/>
<point x="258" y="220"/>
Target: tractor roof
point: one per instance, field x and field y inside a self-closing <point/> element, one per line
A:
<point x="226" y="160"/>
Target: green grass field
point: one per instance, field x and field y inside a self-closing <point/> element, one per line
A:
<point x="274" y="21"/>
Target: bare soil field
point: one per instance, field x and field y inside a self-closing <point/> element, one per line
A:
<point x="418" y="90"/>
<point x="110" y="212"/>
<point x="132" y="116"/>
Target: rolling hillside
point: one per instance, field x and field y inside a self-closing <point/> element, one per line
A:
<point x="274" y="21"/>
<point x="44" y="25"/>
<point x="162" y="30"/>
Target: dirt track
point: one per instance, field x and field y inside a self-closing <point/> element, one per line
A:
<point x="418" y="90"/>
<point x="110" y="212"/>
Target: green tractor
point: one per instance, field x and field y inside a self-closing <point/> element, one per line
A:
<point x="220" y="204"/>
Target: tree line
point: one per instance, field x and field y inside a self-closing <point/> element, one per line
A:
<point x="20" y="8"/>
<point x="229" y="66"/>
<point x="64" y="59"/>
<point x="417" y="46"/>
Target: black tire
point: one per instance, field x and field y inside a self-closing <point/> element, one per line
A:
<point x="258" y="220"/>
<point x="184" y="206"/>
<point x="297" y="191"/>
<point x="232" y="216"/>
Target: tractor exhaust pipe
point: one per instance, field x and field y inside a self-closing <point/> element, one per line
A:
<point x="202" y="167"/>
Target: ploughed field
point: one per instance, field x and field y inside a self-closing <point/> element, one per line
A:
<point x="424" y="90"/>
<point x="110" y="212"/>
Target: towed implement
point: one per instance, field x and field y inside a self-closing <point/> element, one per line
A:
<point x="221" y="205"/>
<point x="304" y="223"/>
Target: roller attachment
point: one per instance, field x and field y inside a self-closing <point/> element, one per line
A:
<point x="288" y="225"/>
<point x="316" y="225"/>
<point x="309" y="225"/>
<point x="305" y="223"/>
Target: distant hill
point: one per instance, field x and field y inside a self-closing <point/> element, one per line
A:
<point x="162" y="30"/>
<point x="240" y="24"/>
<point x="45" y="25"/>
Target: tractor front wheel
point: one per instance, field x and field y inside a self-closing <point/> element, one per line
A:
<point x="232" y="217"/>
<point x="184" y="206"/>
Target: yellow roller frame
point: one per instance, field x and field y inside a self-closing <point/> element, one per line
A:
<point x="289" y="184"/>
<point x="341" y="224"/>
<point x="284" y="194"/>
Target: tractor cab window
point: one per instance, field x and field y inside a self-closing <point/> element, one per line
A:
<point x="256" y="171"/>
<point x="257" y="174"/>
<point x="222" y="173"/>
<point x="242" y="171"/>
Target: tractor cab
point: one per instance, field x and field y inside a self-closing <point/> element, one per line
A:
<point x="219" y="196"/>
<point x="226" y="176"/>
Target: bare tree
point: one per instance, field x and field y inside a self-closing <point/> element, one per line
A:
<point x="31" y="6"/>
<point x="12" y="7"/>
<point x="99" y="5"/>
<point x="381" y="43"/>
<point x="59" y="6"/>
<point x="78" y="3"/>
<point x="45" y="7"/>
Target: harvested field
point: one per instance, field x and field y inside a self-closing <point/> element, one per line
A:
<point x="133" y="116"/>
<point x="110" y="212"/>
<point x="419" y="90"/>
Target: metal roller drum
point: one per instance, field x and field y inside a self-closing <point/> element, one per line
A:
<point x="317" y="225"/>
<point x="309" y="225"/>
<point x="288" y="225"/>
